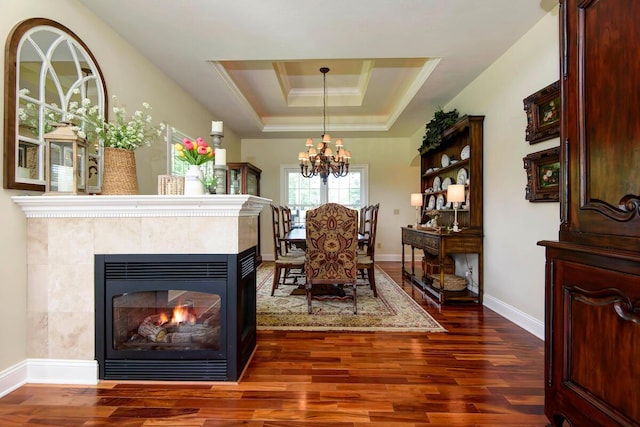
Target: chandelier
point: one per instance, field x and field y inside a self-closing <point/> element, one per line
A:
<point x="321" y="160"/>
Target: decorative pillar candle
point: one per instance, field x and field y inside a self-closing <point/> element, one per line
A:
<point x="221" y="156"/>
<point x="216" y="126"/>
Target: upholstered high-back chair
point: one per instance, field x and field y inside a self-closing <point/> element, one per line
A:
<point x="332" y="253"/>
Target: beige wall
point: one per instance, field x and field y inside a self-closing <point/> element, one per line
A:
<point x="134" y="80"/>
<point x="393" y="176"/>
<point x="514" y="264"/>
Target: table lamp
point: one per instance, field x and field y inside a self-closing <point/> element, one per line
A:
<point x="416" y="200"/>
<point x="455" y="194"/>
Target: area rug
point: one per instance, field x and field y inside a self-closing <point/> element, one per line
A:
<point x="392" y="310"/>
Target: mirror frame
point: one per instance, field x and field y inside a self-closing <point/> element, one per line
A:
<point x="11" y="95"/>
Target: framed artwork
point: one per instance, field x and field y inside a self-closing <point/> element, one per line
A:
<point x="543" y="114"/>
<point x="543" y="175"/>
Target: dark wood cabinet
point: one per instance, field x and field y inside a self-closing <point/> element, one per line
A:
<point x="592" y="306"/>
<point x="459" y="155"/>
<point x="437" y="247"/>
<point x="457" y="160"/>
<point x="244" y="178"/>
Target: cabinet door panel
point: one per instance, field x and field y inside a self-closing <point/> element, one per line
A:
<point x="602" y="130"/>
<point x="601" y="324"/>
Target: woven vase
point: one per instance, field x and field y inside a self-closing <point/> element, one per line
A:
<point x="119" y="175"/>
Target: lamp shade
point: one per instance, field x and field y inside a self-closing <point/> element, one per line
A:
<point x="416" y="199"/>
<point x="455" y="193"/>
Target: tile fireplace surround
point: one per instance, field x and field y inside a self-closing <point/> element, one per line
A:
<point x="65" y="232"/>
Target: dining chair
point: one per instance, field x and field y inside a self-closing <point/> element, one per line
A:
<point x="366" y="256"/>
<point x="287" y="225"/>
<point x="283" y="263"/>
<point x="332" y="253"/>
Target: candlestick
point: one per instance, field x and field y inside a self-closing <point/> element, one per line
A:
<point x="216" y="127"/>
<point x="221" y="156"/>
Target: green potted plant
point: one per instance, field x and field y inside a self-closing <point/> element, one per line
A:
<point x="441" y="120"/>
<point x="210" y="183"/>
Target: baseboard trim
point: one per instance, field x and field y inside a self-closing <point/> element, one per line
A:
<point x="13" y="378"/>
<point x="59" y="371"/>
<point x="520" y="318"/>
<point x="48" y="371"/>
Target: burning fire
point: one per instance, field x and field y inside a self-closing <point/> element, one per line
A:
<point x="181" y="314"/>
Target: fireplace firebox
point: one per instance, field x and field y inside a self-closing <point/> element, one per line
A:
<point x="183" y="317"/>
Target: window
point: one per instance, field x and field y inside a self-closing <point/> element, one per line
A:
<point x="302" y="194"/>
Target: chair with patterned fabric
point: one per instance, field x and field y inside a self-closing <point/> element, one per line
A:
<point x="332" y="253"/>
<point x="283" y="264"/>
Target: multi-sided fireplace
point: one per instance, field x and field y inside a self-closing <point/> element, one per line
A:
<point x="175" y="317"/>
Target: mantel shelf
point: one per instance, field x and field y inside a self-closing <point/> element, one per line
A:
<point x="78" y="206"/>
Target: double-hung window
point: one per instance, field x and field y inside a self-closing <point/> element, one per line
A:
<point x="302" y="194"/>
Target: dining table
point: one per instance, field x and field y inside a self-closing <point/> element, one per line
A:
<point x="298" y="237"/>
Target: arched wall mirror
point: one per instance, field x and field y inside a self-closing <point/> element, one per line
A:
<point x="47" y="69"/>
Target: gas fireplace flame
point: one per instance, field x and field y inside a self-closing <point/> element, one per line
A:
<point x="163" y="319"/>
<point x="181" y="314"/>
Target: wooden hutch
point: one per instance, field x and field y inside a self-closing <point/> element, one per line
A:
<point x="244" y="178"/>
<point x="457" y="160"/>
<point x="592" y="315"/>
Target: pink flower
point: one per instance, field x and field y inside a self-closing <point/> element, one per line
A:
<point x="201" y="142"/>
<point x="187" y="144"/>
<point x="202" y="150"/>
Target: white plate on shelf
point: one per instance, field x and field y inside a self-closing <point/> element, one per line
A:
<point x="462" y="176"/>
<point x="432" y="203"/>
<point x="465" y="153"/>
<point x="446" y="183"/>
<point x="440" y="202"/>
<point x="445" y="160"/>
<point x="436" y="184"/>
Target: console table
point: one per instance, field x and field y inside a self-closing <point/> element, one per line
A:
<point x="440" y="245"/>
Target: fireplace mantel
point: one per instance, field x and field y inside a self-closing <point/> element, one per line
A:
<point x="65" y="233"/>
<point x="139" y="206"/>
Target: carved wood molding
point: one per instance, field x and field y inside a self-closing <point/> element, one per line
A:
<point x="623" y="306"/>
<point x="628" y="208"/>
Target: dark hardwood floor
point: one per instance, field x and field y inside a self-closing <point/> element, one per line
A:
<point x="485" y="371"/>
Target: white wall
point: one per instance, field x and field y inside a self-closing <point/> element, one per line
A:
<point x="392" y="179"/>
<point x="134" y="80"/>
<point x="514" y="264"/>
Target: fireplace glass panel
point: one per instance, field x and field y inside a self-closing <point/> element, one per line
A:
<point x="166" y="320"/>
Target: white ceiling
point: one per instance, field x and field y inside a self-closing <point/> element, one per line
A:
<point x="255" y="63"/>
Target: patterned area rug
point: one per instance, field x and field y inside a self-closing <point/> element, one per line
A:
<point x="392" y="310"/>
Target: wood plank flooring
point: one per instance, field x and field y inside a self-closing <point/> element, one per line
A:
<point x="484" y="372"/>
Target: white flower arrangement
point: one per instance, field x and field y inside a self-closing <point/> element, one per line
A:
<point x="124" y="132"/>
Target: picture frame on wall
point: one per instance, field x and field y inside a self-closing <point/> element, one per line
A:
<point x="543" y="114"/>
<point x="543" y="175"/>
